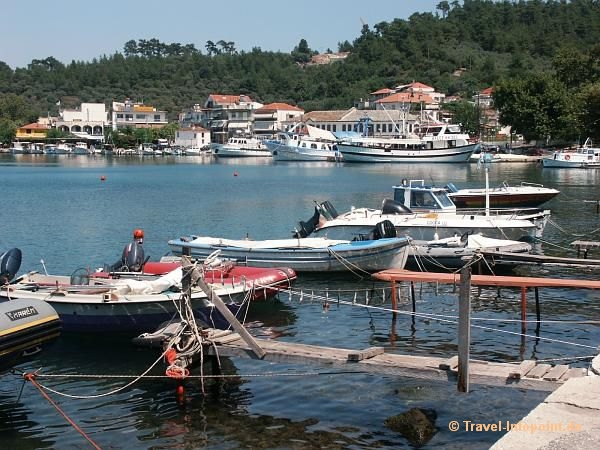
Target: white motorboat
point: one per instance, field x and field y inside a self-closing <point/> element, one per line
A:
<point x="424" y="213"/>
<point x="442" y="143"/>
<point x="305" y="143"/>
<point x="242" y="147"/>
<point x="583" y="157"/>
<point x="303" y="255"/>
<point x="525" y="195"/>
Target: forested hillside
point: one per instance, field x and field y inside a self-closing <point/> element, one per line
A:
<point x="497" y="43"/>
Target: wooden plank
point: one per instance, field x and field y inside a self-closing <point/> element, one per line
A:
<point x="484" y="280"/>
<point x="522" y="369"/>
<point x="573" y="372"/>
<point x="539" y="371"/>
<point x="450" y="363"/>
<point x="365" y="354"/>
<point x="226" y="339"/>
<point x="219" y="304"/>
<point x="556" y="372"/>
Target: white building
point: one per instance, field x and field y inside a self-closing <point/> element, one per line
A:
<point x="192" y="137"/>
<point x="136" y="115"/>
<point x="86" y="122"/>
<point x="271" y="118"/>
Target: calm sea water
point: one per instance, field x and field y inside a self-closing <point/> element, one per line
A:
<point x="63" y="216"/>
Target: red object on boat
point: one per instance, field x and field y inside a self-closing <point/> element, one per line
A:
<point x="160" y="268"/>
<point x="267" y="282"/>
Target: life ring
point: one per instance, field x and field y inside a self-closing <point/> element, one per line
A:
<point x="567" y="157"/>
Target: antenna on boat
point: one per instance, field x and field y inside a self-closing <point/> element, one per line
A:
<point x="44" y="266"/>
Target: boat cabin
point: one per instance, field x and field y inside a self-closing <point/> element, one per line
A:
<point x="417" y="196"/>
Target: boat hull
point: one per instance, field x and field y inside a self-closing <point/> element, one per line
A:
<point x="568" y="164"/>
<point x="368" y="256"/>
<point x="501" y="200"/>
<point x="284" y="152"/>
<point x="27" y="326"/>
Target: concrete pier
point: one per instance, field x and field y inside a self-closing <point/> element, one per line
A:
<point x="569" y="418"/>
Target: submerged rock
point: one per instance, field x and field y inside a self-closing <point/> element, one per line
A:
<point x="417" y="425"/>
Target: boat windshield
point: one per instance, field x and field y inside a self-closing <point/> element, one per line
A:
<point x="443" y="199"/>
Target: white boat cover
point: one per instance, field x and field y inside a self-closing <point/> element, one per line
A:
<point x="317" y="133"/>
<point x="156" y="286"/>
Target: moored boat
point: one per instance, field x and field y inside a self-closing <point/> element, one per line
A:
<point x="425" y="213"/>
<point x="301" y="254"/>
<point x="27" y="325"/>
<point x="242" y="147"/>
<point x="525" y="195"/>
<point x="304" y="142"/>
<point x="441" y="143"/>
<point x="584" y="157"/>
<point x="138" y="302"/>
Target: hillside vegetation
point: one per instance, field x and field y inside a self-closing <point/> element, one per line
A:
<point x="541" y="56"/>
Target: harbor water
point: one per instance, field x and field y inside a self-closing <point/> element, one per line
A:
<point x="67" y="213"/>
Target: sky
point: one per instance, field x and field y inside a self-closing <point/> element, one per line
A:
<point x="81" y="30"/>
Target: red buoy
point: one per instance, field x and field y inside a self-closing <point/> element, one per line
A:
<point x="102" y="178"/>
<point x="235" y="174"/>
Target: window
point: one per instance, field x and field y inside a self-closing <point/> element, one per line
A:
<point x="157" y="117"/>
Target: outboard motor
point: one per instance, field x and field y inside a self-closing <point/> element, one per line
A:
<point x="306" y="228"/>
<point x="390" y="206"/>
<point x="327" y="210"/>
<point x="133" y="256"/>
<point x="10" y="263"/>
<point x="384" y="229"/>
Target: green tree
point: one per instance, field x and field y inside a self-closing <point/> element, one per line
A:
<point x="536" y="106"/>
<point x="8" y="130"/>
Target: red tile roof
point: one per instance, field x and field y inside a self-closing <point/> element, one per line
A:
<point x="34" y="126"/>
<point x="232" y="99"/>
<point x="382" y="91"/>
<point x="406" y="97"/>
<point x="278" y="107"/>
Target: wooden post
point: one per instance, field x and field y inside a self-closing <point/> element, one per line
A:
<point x="537" y="310"/>
<point x="394" y="298"/>
<point x="196" y="277"/>
<point x="464" y="329"/>
<point x="414" y="305"/>
<point x="523" y="310"/>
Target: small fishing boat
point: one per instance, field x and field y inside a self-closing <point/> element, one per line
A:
<point x="27" y="325"/>
<point x="241" y="147"/>
<point x="301" y="254"/>
<point x="138" y="302"/>
<point x="584" y="157"/>
<point x="525" y="195"/>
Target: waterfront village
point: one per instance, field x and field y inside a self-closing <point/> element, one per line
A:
<point x="387" y="112"/>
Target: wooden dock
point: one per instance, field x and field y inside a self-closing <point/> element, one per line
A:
<point x="526" y="374"/>
<point x="395" y="275"/>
